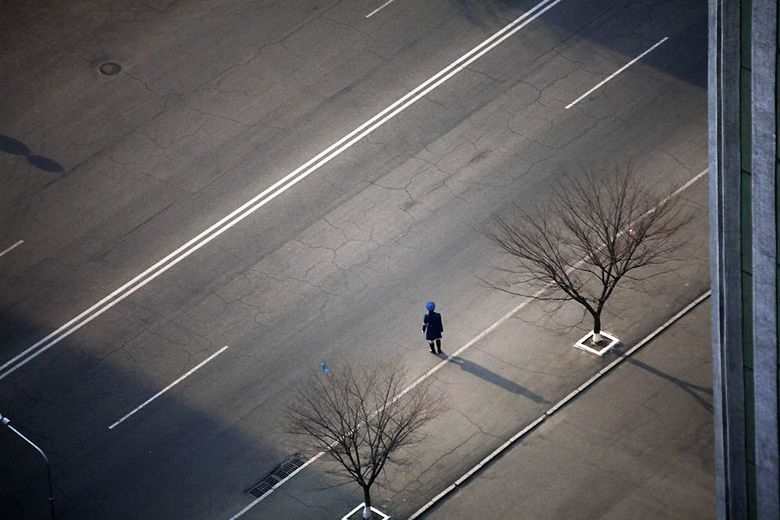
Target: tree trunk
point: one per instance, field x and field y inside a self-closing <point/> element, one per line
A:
<point x="367" y="503"/>
<point x="597" y="328"/>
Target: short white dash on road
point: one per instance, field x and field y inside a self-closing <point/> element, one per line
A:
<point x="479" y="337"/>
<point x="161" y="392"/>
<point x="449" y="71"/>
<point x="558" y="405"/>
<point x="621" y="69"/>
<point x="275" y="190"/>
<point x="372" y="13"/>
<point x="12" y="247"/>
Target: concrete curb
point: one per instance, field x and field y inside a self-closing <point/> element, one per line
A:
<point x="555" y="408"/>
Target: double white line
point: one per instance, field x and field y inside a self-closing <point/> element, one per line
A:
<point x="273" y="191"/>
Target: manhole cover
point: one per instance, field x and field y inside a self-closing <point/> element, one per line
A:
<point x="110" y="68"/>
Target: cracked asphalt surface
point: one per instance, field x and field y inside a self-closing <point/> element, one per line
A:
<point x="636" y="445"/>
<point x="216" y="101"/>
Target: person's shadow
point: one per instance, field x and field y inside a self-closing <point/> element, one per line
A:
<point x="15" y="147"/>
<point x="491" y="377"/>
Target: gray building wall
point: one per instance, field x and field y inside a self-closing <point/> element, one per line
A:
<point x="743" y="91"/>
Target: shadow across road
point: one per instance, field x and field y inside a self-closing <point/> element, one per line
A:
<point x="13" y="146"/>
<point x="498" y="380"/>
<point x="632" y="28"/>
<point x="174" y="459"/>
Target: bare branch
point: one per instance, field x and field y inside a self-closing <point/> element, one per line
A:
<point x="599" y="227"/>
<point x="353" y="414"/>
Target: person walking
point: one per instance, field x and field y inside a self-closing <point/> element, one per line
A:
<point x="432" y="327"/>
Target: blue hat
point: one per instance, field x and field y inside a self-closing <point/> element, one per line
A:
<point x="430" y="306"/>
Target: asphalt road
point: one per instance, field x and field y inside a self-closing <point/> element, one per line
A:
<point x="636" y="445"/>
<point x="102" y="177"/>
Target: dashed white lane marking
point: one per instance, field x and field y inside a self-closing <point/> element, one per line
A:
<point x="12" y="247"/>
<point x="273" y="191"/>
<point x="469" y="58"/>
<point x="372" y="13"/>
<point x="462" y="349"/>
<point x="522" y="433"/>
<point x="621" y="69"/>
<point x="161" y="392"/>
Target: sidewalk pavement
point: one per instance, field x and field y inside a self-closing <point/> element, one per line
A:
<point x="501" y="384"/>
<point x="637" y="444"/>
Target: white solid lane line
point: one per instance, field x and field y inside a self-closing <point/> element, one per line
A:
<point x="559" y="404"/>
<point x="372" y="13"/>
<point x="462" y="349"/>
<point x="161" y="392"/>
<point x="20" y="242"/>
<point x="273" y="191"/>
<point x="621" y="69"/>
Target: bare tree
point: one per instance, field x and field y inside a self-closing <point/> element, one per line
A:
<point x="596" y="230"/>
<point x="356" y="415"/>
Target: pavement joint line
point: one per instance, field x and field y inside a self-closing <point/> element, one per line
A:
<point x="501" y="448"/>
<point x="8" y="250"/>
<point x="472" y="342"/>
<point x="176" y="382"/>
<point x="475" y="340"/>
<point x="372" y="13"/>
<point x="589" y="381"/>
<point x="647" y="339"/>
<point x="562" y="402"/>
<point x="276" y="189"/>
<point x="611" y="76"/>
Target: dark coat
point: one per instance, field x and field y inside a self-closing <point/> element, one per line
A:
<point x="432" y="326"/>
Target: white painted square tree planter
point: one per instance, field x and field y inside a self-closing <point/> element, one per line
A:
<point x="359" y="510"/>
<point x="585" y="344"/>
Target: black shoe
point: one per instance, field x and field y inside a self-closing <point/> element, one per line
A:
<point x="440" y="351"/>
<point x="433" y="352"/>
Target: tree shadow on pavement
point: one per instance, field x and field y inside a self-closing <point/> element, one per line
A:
<point x="689" y="388"/>
<point x="15" y="147"/>
<point x="491" y="377"/>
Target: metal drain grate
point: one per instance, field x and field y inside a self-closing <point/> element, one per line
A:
<point x="279" y="473"/>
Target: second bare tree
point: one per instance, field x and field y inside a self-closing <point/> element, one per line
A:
<point x="598" y="229"/>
